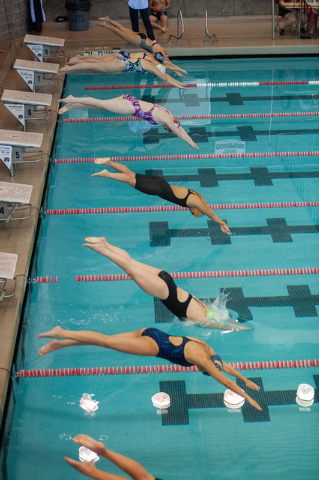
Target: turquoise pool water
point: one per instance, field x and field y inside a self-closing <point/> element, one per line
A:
<point x="201" y="439"/>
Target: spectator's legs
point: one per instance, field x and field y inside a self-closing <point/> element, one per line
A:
<point x="134" y="19"/>
<point x="147" y="23"/>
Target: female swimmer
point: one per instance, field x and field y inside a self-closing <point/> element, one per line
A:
<point x="139" y="39"/>
<point x="150" y="57"/>
<point x="160" y="284"/>
<point x="151" y="342"/>
<point x="120" y="63"/>
<point x="155" y="185"/>
<point x="127" y="104"/>
<point x="134" y="469"/>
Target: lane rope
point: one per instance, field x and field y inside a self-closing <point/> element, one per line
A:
<point x="207" y="274"/>
<point x="71" y="372"/>
<point x="192" y="157"/>
<point x="46" y="280"/>
<point x="234" y="206"/>
<point x="185" y="117"/>
<point x="214" y="85"/>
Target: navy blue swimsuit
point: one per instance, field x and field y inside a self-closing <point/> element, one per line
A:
<point x="167" y="350"/>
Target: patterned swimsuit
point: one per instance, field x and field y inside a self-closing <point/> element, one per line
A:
<point x="148" y="116"/>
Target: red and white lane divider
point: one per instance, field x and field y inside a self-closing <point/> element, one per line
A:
<point x="186" y="117"/>
<point x="74" y="372"/>
<point x="208" y="156"/>
<point x="208" y="274"/>
<point x="214" y="85"/>
<point x="234" y="206"/>
<point x="46" y="280"/>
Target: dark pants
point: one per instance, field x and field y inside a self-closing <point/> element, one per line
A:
<point x="146" y="21"/>
<point x="37" y="25"/>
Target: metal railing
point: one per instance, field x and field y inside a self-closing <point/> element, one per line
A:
<point x="206" y="30"/>
<point x="179" y="24"/>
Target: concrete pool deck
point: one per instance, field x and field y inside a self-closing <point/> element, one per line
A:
<point x="236" y="36"/>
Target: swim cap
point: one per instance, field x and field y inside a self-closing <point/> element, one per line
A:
<point x="159" y="57"/>
<point x="176" y="123"/>
<point x="217" y="361"/>
<point x="198" y="213"/>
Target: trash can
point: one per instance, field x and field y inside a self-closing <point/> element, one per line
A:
<point x="78" y="13"/>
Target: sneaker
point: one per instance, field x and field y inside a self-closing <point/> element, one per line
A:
<point x="282" y="31"/>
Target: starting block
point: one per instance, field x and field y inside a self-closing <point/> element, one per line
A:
<point x="13" y="145"/>
<point x="27" y="106"/>
<point x="12" y="196"/>
<point x="8" y="262"/>
<point x="42" y="47"/>
<point x="33" y="73"/>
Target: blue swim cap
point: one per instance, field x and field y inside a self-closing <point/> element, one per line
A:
<point x="217" y="361"/>
<point x="159" y="57"/>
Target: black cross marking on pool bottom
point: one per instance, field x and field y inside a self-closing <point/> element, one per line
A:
<point x="192" y="100"/>
<point x="277" y="228"/>
<point x="207" y="177"/>
<point x="181" y="401"/>
<point x="299" y="298"/>
<point x="246" y="133"/>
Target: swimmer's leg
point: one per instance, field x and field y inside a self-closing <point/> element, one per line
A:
<point x="122" y="32"/>
<point x="125" y="175"/>
<point x="145" y="276"/>
<point x="132" y="342"/>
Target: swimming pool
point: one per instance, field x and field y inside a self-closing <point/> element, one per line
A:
<point x="198" y="438"/>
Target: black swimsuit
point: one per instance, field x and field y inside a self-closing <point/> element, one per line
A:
<point x="155" y="185"/>
<point x="172" y="303"/>
<point x="143" y="38"/>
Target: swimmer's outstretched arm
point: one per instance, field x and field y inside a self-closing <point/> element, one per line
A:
<point x="149" y="67"/>
<point x="197" y="202"/>
<point x="180" y="132"/>
<point x="210" y="368"/>
<point x="129" y="466"/>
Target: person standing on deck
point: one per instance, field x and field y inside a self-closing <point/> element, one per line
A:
<point x="140" y="5"/>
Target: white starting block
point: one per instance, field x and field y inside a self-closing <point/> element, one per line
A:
<point x="13" y="145"/>
<point x="8" y="262"/>
<point x="14" y="195"/>
<point x="42" y="46"/>
<point x="27" y="106"/>
<point x="33" y="73"/>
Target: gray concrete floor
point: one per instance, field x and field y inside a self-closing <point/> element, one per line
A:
<point x="236" y="36"/>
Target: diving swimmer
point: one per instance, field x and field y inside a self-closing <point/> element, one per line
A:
<point x="160" y="284"/>
<point x="123" y="64"/>
<point x="156" y="185"/>
<point x="151" y="342"/>
<point x="129" y="105"/>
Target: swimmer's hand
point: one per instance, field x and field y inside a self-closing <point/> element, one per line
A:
<point x="254" y="404"/>
<point x="178" y="73"/>
<point x="224" y="228"/>
<point x="251" y="385"/>
<point x="91" y="443"/>
<point x="87" y="468"/>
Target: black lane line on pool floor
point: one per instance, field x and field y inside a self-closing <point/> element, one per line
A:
<point x="299" y="298"/>
<point x="277" y="228"/>
<point x="246" y="133"/>
<point x="233" y="99"/>
<point x="181" y="401"/>
<point x="207" y="177"/>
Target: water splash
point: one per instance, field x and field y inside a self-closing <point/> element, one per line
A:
<point x="223" y="318"/>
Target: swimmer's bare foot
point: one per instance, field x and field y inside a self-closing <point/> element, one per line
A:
<point x="104" y="174"/>
<point x="104" y="19"/>
<point x="68" y="99"/>
<point x="63" y="70"/>
<point x="49" y="347"/>
<point x="91" y="443"/>
<point x="103" y="161"/>
<point x="66" y="108"/>
<point x="54" y="333"/>
<point x="98" y="244"/>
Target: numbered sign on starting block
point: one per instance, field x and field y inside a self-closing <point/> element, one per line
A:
<point x="27" y="105"/>
<point x="42" y="46"/>
<point x="34" y="73"/>
<point x="13" y="144"/>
